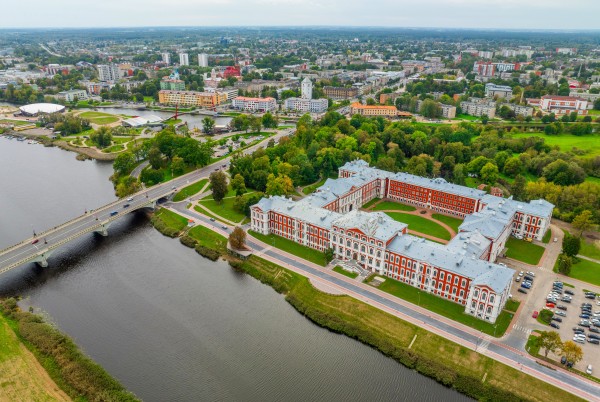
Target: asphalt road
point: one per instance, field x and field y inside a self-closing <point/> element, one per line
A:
<point x="45" y="242"/>
<point x="432" y="322"/>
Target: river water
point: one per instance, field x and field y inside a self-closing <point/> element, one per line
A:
<point x="167" y="323"/>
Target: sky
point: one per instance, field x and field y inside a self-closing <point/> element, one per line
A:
<point x="508" y="14"/>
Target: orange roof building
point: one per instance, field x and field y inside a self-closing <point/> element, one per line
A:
<point x="368" y="110"/>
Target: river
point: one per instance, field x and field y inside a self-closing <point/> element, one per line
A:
<point x="167" y="323"/>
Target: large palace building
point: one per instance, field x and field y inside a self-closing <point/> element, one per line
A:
<point x="462" y="270"/>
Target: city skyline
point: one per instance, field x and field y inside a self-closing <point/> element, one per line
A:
<point x="469" y="14"/>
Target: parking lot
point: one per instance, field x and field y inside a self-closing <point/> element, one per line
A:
<point x="567" y="317"/>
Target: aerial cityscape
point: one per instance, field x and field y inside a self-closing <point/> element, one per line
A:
<point x="272" y="200"/>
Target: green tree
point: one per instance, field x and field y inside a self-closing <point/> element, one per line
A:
<point x="513" y="166"/>
<point x="571" y="245"/>
<point x="583" y="221"/>
<point x="101" y="137"/>
<point x="280" y="185"/>
<point x="459" y="173"/>
<point x="269" y="121"/>
<point x="519" y="187"/>
<point x="255" y="123"/>
<point x="477" y="164"/>
<point x="178" y="165"/>
<point x="155" y="158"/>
<point x="238" y="184"/>
<point x="430" y="108"/>
<point x="489" y="173"/>
<point x="218" y="182"/>
<point x="550" y="341"/>
<point x="564" y="264"/>
<point x="208" y="125"/>
<point x="240" y="123"/>
<point x="124" y="162"/>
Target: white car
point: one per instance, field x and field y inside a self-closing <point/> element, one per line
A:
<point x="579" y="340"/>
<point x="589" y="369"/>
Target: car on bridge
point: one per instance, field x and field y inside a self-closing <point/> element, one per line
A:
<point x="113" y="213"/>
<point x="35" y="241"/>
<point x="126" y="205"/>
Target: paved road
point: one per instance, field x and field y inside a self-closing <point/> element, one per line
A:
<point x="42" y="244"/>
<point x="432" y="322"/>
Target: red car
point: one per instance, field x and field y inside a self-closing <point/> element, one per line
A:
<point x="535" y="314"/>
<point x="35" y="241"/>
<point x="550" y="305"/>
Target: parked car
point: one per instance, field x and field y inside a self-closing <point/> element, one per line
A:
<point x="585" y="316"/>
<point x="594" y="336"/>
<point x="564" y="299"/>
<point x="561" y="307"/>
<point x="557" y="319"/>
<point x="554" y="325"/>
<point x="526" y="285"/>
<point x="518" y="279"/>
<point x="522" y="290"/>
<point x="535" y="314"/>
<point x="530" y="273"/>
<point x="594" y="341"/>
<point x="563" y="360"/>
<point x="570" y="364"/>
<point x="588" y="370"/>
<point x="579" y="340"/>
<point x="578" y="330"/>
<point x="592" y="296"/>
<point x="560" y="313"/>
<point x="569" y="292"/>
<point x="550" y="305"/>
<point x="529" y="278"/>
<point x="594" y="329"/>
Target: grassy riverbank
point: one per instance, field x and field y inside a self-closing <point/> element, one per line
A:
<point x="76" y="374"/>
<point x="430" y="355"/>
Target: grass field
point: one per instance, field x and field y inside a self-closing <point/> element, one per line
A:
<point x="445" y="307"/>
<point x="312" y="188"/>
<point x="454" y="223"/>
<point x="21" y="376"/>
<point x="523" y="251"/>
<point x="589" y="143"/>
<point x="589" y="250"/>
<point x="16" y="122"/>
<point x="172" y="219"/>
<point x="368" y="204"/>
<point x="421" y="225"/>
<point x="114" y="148"/>
<point x="394" y="206"/>
<point x="586" y="271"/>
<point x="99" y="117"/>
<point x="291" y="247"/>
<point x="224" y="209"/>
<point x="392" y="336"/>
<point x="342" y="271"/>
<point x="190" y="190"/>
<point x="546" y="238"/>
<point x="208" y="238"/>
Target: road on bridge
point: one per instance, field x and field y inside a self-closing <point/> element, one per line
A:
<point x="39" y="248"/>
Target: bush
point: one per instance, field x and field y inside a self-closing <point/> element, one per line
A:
<point x="162" y="227"/>
<point x="209" y="253"/>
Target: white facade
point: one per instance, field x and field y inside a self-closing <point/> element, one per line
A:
<point x="501" y="91"/>
<point x="108" y="72"/>
<point x="166" y="58"/>
<point x="72" y="95"/>
<point x="184" y="59"/>
<point x="203" y="60"/>
<point x="254" y="104"/>
<point x="306" y="105"/>
<point x="306" y="89"/>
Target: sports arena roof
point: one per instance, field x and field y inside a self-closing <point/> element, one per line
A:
<point x="37" y="108"/>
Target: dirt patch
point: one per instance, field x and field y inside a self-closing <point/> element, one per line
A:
<point x="22" y="378"/>
<point x="89" y="152"/>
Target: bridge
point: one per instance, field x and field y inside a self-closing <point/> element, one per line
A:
<point x="40" y="247"/>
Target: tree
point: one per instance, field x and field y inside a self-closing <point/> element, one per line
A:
<point x="550" y="341"/>
<point x="218" y="182"/>
<point x="564" y="264"/>
<point x="329" y="254"/>
<point x="240" y="123"/>
<point x="101" y="137"/>
<point x="237" y="238"/>
<point x="255" y="123"/>
<point x="513" y="166"/>
<point x="489" y="173"/>
<point x="269" y="121"/>
<point x="583" y="221"/>
<point x="518" y="188"/>
<point x="155" y="158"/>
<point x="571" y="245"/>
<point x="124" y="162"/>
<point x="477" y="164"/>
<point x="280" y="185"/>
<point x="208" y="125"/>
<point x="238" y="184"/>
<point x="571" y="351"/>
<point x="430" y="108"/>
<point x="178" y="165"/>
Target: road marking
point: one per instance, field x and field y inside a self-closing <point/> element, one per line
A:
<point x="413" y="341"/>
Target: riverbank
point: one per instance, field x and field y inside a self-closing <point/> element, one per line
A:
<point x="454" y="366"/>
<point x="65" y="373"/>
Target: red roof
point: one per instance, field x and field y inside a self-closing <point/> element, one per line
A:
<point x="561" y="98"/>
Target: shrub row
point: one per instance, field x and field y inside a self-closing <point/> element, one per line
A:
<point x="78" y="375"/>
<point x="163" y="227"/>
<point x="445" y="375"/>
<point x="207" y="252"/>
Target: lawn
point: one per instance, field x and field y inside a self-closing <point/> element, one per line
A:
<point x="370" y="203"/>
<point x="421" y="225"/>
<point x="454" y="223"/>
<point x="113" y="148"/>
<point x="313" y="187"/>
<point x="291" y="247"/>
<point x="172" y="219"/>
<point x="99" y="117"/>
<point x="342" y="271"/>
<point x="547" y="236"/>
<point x="586" y="271"/>
<point x="589" y="250"/>
<point x="394" y="206"/>
<point x="16" y="122"/>
<point x="207" y="238"/>
<point x="589" y="143"/>
<point x="595" y="180"/>
<point x="190" y="190"/>
<point x="523" y="251"/>
<point x="224" y="209"/>
<point x="512" y="305"/>
<point x="466" y="117"/>
<point x="445" y="307"/>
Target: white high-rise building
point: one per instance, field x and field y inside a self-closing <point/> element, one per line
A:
<point x="203" y="60"/>
<point x="166" y="58"/>
<point x="184" y="59"/>
<point x="306" y="89"/>
<point x="108" y="72"/>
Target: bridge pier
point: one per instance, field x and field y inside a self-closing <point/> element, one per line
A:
<point x="103" y="229"/>
<point x="42" y="259"/>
